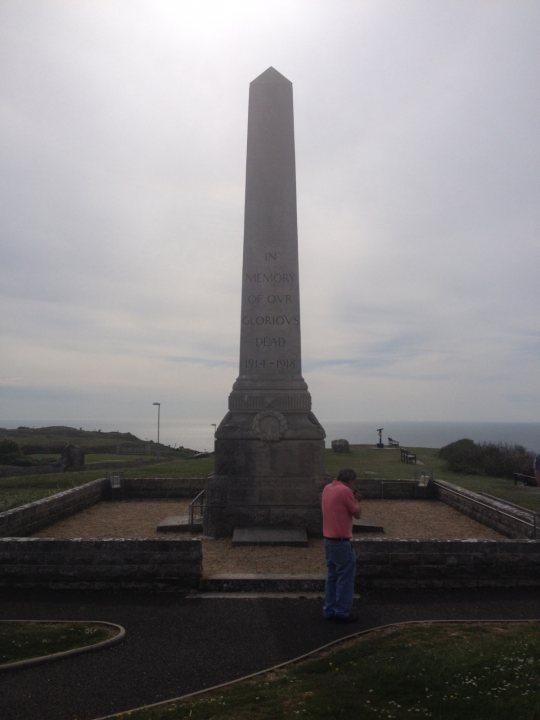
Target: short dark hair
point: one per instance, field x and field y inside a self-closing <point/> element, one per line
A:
<point x="347" y="475"/>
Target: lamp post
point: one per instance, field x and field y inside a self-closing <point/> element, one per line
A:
<point x="158" y="414"/>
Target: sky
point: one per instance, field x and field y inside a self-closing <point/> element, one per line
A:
<point x="123" y="130"/>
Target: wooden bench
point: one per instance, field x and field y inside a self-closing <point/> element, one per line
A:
<point x="528" y="480"/>
<point x="407" y="456"/>
<point x="392" y="442"/>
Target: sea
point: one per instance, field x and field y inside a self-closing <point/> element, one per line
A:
<point x="198" y="433"/>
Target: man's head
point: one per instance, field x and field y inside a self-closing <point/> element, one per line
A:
<point x="347" y="476"/>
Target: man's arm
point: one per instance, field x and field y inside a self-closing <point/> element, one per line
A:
<point x="357" y="498"/>
<point x="355" y="509"/>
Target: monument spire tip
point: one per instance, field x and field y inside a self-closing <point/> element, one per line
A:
<point x="271" y="74"/>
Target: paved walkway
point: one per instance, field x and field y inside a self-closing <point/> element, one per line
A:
<point x="178" y="645"/>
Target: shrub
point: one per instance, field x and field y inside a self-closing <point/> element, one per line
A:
<point x="10" y="452"/>
<point x="461" y="456"/>
<point x="465" y="456"/>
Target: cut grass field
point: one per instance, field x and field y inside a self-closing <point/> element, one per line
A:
<point x="18" y="490"/>
<point x="446" y="671"/>
<point x="386" y="463"/>
<point x="367" y="460"/>
<point x="49" y="458"/>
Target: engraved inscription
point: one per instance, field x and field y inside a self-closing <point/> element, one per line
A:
<point x="257" y="363"/>
<point x="271" y="342"/>
<point x="270" y="305"/>
<point x="284" y="320"/>
<point x="273" y="278"/>
<point x="279" y="299"/>
<point x="270" y="299"/>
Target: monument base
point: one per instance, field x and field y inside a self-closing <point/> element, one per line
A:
<point x="266" y="474"/>
<point x="244" y="502"/>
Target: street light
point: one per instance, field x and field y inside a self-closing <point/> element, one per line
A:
<point x="158" y="413"/>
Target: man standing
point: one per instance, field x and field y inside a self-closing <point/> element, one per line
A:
<point x="340" y="504"/>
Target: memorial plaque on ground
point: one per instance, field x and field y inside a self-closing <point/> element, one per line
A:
<point x="269" y="447"/>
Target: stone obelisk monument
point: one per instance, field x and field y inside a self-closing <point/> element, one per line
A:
<point x="269" y="448"/>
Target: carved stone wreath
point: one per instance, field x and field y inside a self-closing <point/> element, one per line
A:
<point x="269" y="425"/>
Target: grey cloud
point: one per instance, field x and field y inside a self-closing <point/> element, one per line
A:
<point x="122" y="131"/>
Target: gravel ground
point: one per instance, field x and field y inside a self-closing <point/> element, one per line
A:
<point x="408" y="519"/>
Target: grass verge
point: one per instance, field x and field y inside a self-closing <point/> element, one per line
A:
<point x="23" y="640"/>
<point x="461" y="671"/>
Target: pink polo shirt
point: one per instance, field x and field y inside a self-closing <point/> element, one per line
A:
<point x="338" y="507"/>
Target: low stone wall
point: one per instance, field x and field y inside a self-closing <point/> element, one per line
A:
<point x="447" y="563"/>
<point x="377" y="488"/>
<point x="27" y="519"/>
<point x="113" y="563"/>
<point x="177" y="564"/>
<point x="509" y="520"/>
<point x="118" y="563"/>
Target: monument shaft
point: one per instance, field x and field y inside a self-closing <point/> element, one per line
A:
<point x="270" y="324"/>
<point x="269" y="447"/>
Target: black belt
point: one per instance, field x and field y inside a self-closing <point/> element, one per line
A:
<point x="338" y="539"/>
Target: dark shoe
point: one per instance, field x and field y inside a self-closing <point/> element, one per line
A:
<point x="352" y="618"/>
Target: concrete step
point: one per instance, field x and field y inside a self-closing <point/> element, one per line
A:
<point x="258" y="583"/>
<point x="178" y="523"/>
<point x="366" y="526"/>
<point x="268" y="535"/>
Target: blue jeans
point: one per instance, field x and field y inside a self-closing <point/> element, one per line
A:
<point x="339" y="586"/>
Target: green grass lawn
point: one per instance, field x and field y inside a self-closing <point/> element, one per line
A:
<point x="18" y="490"/>
<point x="21" y="489"/>
<point x="367" y="460"/>
<point x="461" y="671"/>
<point x="22" y="640"/>
<point x="113" y="458"/>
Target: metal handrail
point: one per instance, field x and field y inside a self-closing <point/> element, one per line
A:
<point x="196" y="509"/>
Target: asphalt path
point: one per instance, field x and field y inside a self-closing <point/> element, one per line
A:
<point x="177" y="645"/>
